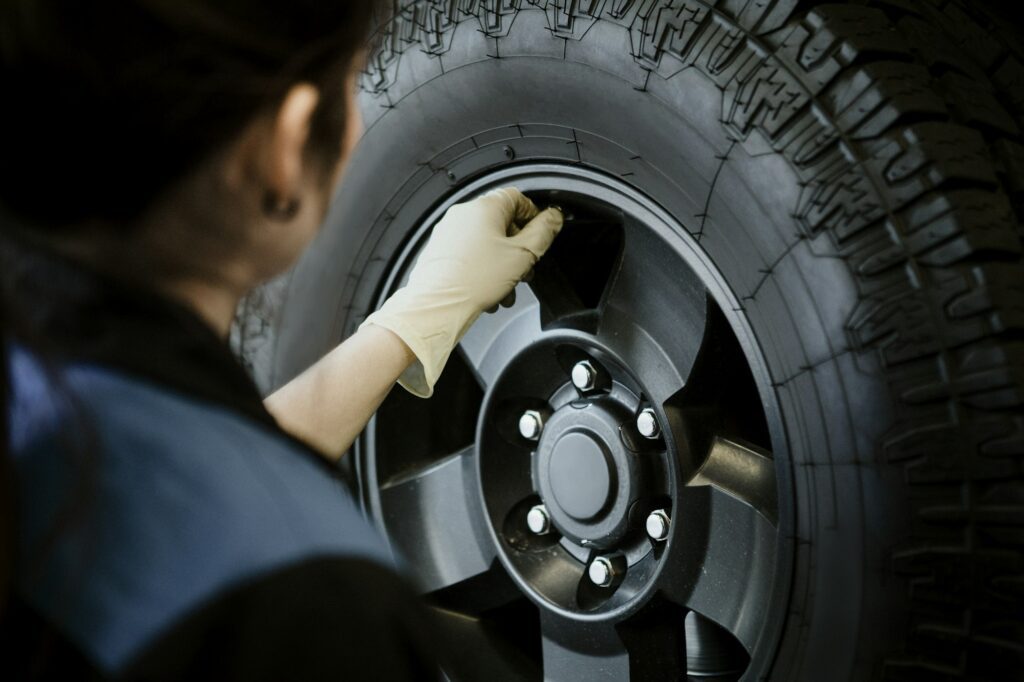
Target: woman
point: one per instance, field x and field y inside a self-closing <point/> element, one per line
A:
<point x="163" y="157"/>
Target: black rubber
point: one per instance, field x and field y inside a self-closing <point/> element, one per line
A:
<point x="855" y="172"/>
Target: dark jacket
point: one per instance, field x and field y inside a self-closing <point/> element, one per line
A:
<point x="167" y="527"/>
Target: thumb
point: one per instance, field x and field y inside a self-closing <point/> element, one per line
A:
<point x="537" y="235"/>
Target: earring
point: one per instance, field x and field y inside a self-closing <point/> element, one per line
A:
<point x="279" y="209"/>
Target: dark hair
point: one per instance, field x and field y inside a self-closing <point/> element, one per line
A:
<point x="109" y="104"/>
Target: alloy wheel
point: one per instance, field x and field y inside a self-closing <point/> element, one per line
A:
<point x="597" y="489"/>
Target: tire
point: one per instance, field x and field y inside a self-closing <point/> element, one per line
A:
<point x="854" y="172"/>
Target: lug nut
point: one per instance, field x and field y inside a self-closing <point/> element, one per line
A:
<point x="647" y="424"/>
<point x="537" y="520"/>
<point x="584" y="376"/>
<point x="531" y="424"/>
<point x="657" y="525"/>
<point x="601" y="571"/>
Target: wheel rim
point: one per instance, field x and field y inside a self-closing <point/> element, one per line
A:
<point x="626" y="292"/>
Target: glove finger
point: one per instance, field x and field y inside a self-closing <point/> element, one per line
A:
<point x="528" y="277"/>
<point x="509" y="300"/>
<point x="516" y="205"/>
<point x="537" y="235"/>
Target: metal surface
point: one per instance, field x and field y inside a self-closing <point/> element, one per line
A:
<point x="743" y="472"/>
<point x="710" y="651"/>
<point x="537" y="520"/>
<point x="657" y="525"/>
<point x="584" y="376"/>
<point x="531" y="424"/>
<point x="601" y="572"/>
<point x="647" y="424"/>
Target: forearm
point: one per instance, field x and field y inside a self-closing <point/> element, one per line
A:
<point x="331" y="402"/>
<point x="475" y="256"/>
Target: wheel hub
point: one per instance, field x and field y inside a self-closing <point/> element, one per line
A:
<point x="591" y="473"/>
<point x="586" y="472"/>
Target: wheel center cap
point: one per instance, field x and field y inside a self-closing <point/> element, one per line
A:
<point x="586" y="473"/>
<point x="580" y="475"/>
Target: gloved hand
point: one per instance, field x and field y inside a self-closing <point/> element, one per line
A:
<point x="474" y="258"/>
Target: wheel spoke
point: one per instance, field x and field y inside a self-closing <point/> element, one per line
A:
<point x="654" y="313"/>
<point x="724" y="566"/>
<point x="495" y="337"/>
<point x="582" y="651"/>
<point x="434" y="519"/>
<point x="743" y="472"/>
<point x="497" y="654"/>
<point x="649" y="646"/>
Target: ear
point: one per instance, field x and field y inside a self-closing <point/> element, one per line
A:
<point x="282" y="169"/>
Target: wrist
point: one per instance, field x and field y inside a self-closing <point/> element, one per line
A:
<point x="429" y="328"/>
<point x="391" y="341"/>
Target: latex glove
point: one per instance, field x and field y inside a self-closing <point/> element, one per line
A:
<point x="474" y="258"/>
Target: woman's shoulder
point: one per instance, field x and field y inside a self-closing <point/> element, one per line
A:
<point x="179" y="501"/>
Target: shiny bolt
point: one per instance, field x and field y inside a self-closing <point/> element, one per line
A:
<point x="601" y="572"/>
<point x="537" y="520"/>
<point x="647" y="424"/>
<point x="657" y="525"/>
<point x="531" y="424"/>
<point x="584" y="376"/>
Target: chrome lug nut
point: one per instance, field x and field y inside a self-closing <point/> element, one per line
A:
<point x="537" y="520"/>
<point x="531" y="424"/>
<point x="647" y="424"/>
<point x="657" y="525"/>
<point x="584" y="376"/>
<point x="601" y="571"/>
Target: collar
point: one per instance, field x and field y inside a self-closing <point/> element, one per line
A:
<point x="67" y="313"/>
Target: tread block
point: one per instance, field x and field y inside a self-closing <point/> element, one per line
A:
<point x="950" y="309"/>
<point x="759" y="16"/>
<point x="986" y="376"/>
<point x="900" y="167"/>
<point x="1011" y="158"/>
<point x="867" y="102"/>
<point x="942" y="229"/>
<point x="1009" y="78"/>
<point x="976" y="104"/>
<point x="931" y="46"/>
<point x="966" y="33"/>
<point x="931" y="447"/>
<point x="495" y="16"/>
<point x="569" y="18"/>
<point x="674" y="28"/>
<point x="928" y="155"/>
